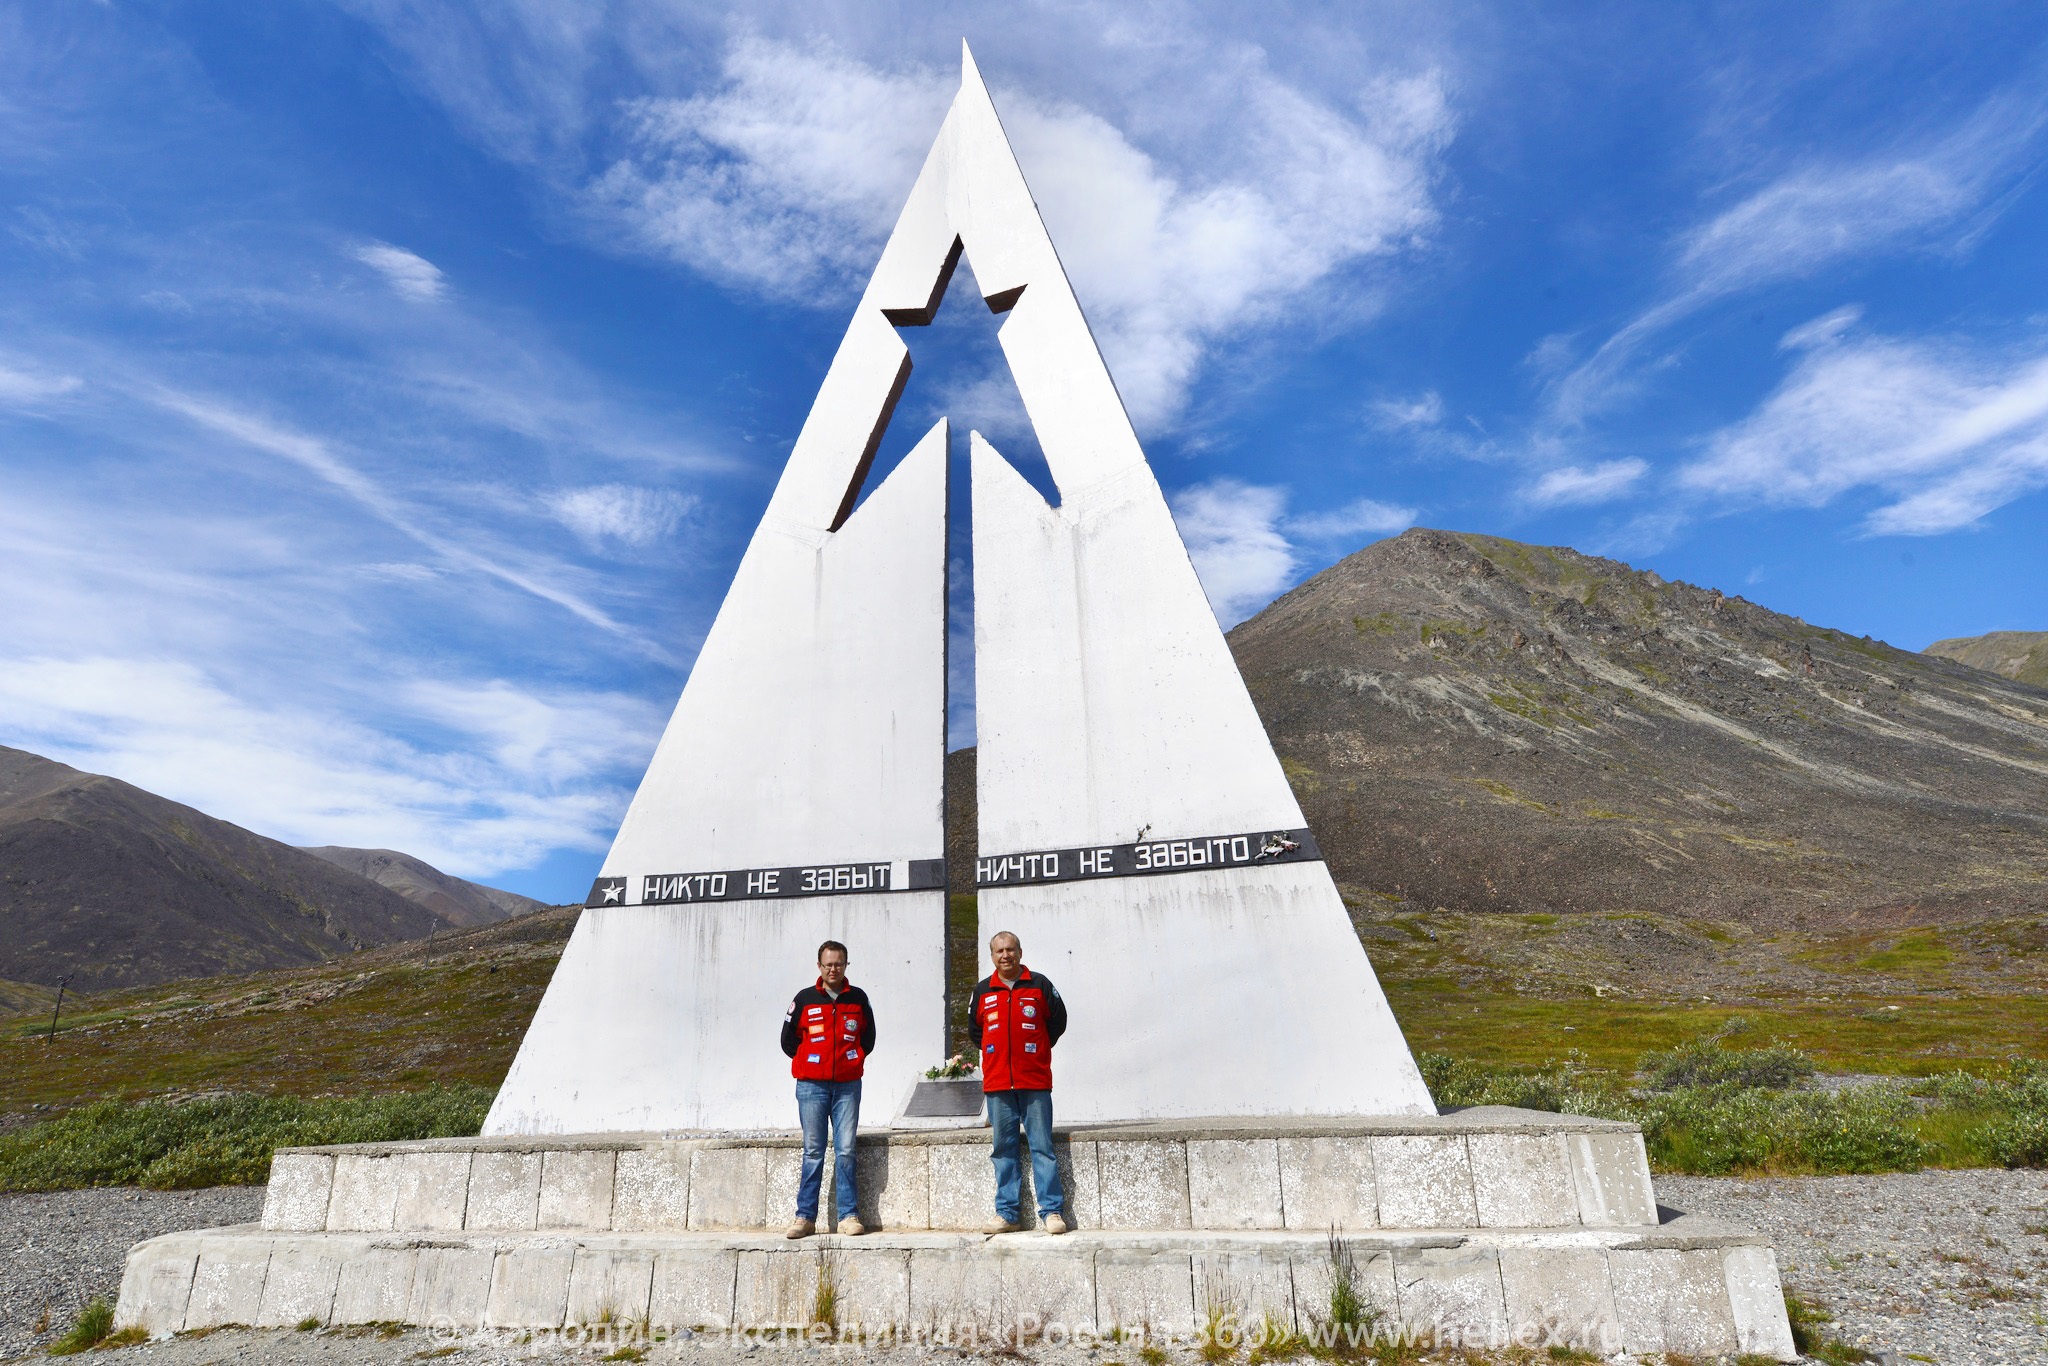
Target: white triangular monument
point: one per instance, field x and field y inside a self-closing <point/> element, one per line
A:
<point x="1136" y="829"/>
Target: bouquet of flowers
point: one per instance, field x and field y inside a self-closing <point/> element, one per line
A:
<point x="955" y="1067"/>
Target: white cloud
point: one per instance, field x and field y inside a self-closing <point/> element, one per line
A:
<point x="1237" y="534"/>
<point x="546" y="776"/>
<point x="1810" y="217"/>
<point x="19" y="387"/>
<point x="1826" y="328"/>
<point x="618" y="514"/>
<point x="1948" y="435"/>
<point x="1232" y="532"/>
<point x="1576" y="484"/>
<point x="786" y="177"/>
<point x="1427" y="410"/>
<point x="1365" y="517"/>
<point x="411" y="276"/>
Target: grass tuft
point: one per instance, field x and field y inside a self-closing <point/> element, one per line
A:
<point x="94" y="1324"/>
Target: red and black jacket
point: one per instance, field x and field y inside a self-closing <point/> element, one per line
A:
<point x="1015" y="1028"/>
<point x="828" y="1040"/>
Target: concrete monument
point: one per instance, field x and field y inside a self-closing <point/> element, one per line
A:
<point x="1234" y="1090"/>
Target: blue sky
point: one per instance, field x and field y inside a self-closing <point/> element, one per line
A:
<point x="387" y="390"/>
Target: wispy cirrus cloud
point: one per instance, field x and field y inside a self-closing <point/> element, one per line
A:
<point x="1569" y="485"/>
<point x="1949" y="432"/>
<point x="1917" y="195"/>
<point x="410" y="275"/>
<point x="20" y="388"/>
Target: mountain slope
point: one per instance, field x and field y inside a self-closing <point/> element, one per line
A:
<point x="2019" y="655"/>
<point x="120" y="887"/>
<point x="1480" y="725"/>
<point x="455" y="900"/>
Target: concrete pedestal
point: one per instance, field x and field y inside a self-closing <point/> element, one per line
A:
<point x="1486" y="1227"/>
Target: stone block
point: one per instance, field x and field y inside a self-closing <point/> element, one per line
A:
<point x="1249" y="1287"/>
<point x="610" y="1287"/>
<point x="963" y="1185"/>
<point x="451" y="1287"/>
<point x="1424" y="1181"/>
<point x="1672" y="1300"/>
<point x="895" y="1183"/>
<point x="1144" y="1292"/>
<point x="1234" y="1183"/>
<point x="783" y="1170"/>
<point x="729" y="1188"/>
<point x="1328" y="1183"/>
<point x="1372" y="1280"/>
<point x="1081" y="1178"/>
<point x="227" y="1284"/>
<point x="376" y="1286"/>
<point x="433" y="1191"/>
<point x="997" y="1287"/>
<point x="576" y="1189"/>
<point x="780" y="1289"/>
<point x="365" y="1194"/>
<point x="871" y="1286"/>
<point x="301" y="1281"/>
<point x="1452" y="1296"/>
<point x="156" y="1286"/>
<point x="651" y="1189"/>
<point x="1143" y="1184"/>
<point x="504" y="1191"/>
<point x="1612" y="1173"/>
<point x="1560" y="1297"/>
<point x="301" y="1187"/>
<point x="530" y="1288"/>
<point x="693" y="1288"/>
<point x="1522" y="1181"/>
<point x="1757" y="1302"/>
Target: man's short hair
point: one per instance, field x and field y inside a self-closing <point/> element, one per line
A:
<point x="833" y="944"/>
<point x="1005" y="934"/>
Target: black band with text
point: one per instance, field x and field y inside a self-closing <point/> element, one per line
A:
<point x="1147" y="858"/>
<point x="754" y="884"/>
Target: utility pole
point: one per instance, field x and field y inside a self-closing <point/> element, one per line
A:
<point x="62" y="982"/>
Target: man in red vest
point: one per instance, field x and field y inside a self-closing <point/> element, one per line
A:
<point x="1018" y="1017"/>
<point x="827" y="1034"/>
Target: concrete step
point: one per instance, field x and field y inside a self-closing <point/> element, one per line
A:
<point x="1487" y="1167"/>
<point x="1687" y="1285"/>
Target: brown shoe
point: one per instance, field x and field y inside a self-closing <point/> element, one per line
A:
<point x="802" y="1228"/>
<point x="852" y="1227"/>
<point x="996" y="1226"/>
<point x="1055" y="1224"/>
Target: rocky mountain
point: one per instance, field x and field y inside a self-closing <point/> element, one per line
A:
<point x="2019" y="655"/>
<point x="120" y="887"/>
<point x="459" y="902"/>
<point x="1481" y="725"/>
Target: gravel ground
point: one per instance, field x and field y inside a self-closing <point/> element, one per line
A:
<point x="1946" y="1267"/>
<point x="57" y="1251"/>
<point x="1949" y="1267"/>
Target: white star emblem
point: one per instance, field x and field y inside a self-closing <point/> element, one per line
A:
<point x="614" y="892"/>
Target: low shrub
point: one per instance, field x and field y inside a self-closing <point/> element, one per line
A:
<point x="219" y="1140"/>
<point x="1708" y="1061"/>
<point x="91" y="1328"/>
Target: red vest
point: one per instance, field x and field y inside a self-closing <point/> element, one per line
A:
<point x="1016" y="1045"/>
<point x="828" y="1040"/>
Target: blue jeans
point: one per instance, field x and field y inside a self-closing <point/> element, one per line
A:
<point x="817" y="1103"/>
<point x="1007" y="1110"/>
